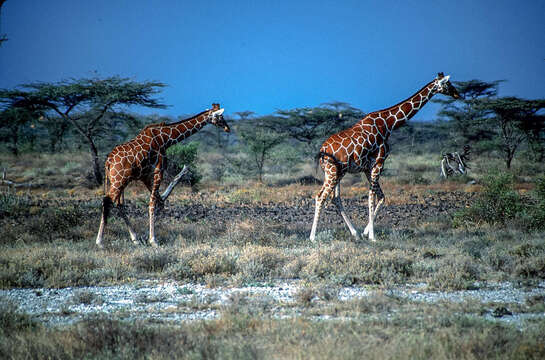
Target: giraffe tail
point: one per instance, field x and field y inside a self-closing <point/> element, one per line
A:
<point x="106" y="177"/>
<point x="323" y="154"/>
<point x="107" y="202"/>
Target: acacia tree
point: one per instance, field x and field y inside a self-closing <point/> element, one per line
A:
<point x="470" y="121"/>
<point x="3" y="37"/>
<point x="534" y="128"/>
<point x="511" y="115"/>
<point x="83" y="103"/>
<point x="259" y="142"/>
<point x="312" y="125"/>
<point x="14" y="126"/>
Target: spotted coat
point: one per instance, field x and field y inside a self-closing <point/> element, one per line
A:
<point x="364" y="148"/>
<point x="143" y="158"/>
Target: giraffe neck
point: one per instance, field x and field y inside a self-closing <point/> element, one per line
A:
<point x="174" y="133"/>
<point x="402" y="112"/>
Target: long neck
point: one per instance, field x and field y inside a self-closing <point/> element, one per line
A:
<point x="181" y="130"/>
<point x="400" y="113"/>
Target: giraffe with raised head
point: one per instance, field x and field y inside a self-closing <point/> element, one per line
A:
<point x="364" y="148"/>
<point x="143" y="158"/>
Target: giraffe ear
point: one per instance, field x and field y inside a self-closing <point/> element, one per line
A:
<point x="218" y="112"/>
<point x="440" y="75"/>
<point x="444" y="79"/>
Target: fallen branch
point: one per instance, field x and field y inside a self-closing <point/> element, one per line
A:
<point x="174" y="182"/>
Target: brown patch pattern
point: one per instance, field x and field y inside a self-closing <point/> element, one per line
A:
<point x="364" y="148"/>
<point x="143" y="158"/>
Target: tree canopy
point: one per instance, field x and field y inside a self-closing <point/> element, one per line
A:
<point x="312" y="125"/>
<point x="83" y="103"/>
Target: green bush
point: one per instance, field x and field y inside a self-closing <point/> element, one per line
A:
<point x="57" y="223"/>
<point x="12" y="205"/>
<point x="183" y="154"/>
<point x="455" y="273"/>
<point x="498" y="204"/>
<point x="537" y="212"/>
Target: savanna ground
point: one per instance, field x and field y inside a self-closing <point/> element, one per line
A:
<point x="244" y="233"/>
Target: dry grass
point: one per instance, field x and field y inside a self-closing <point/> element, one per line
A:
<point x="244" y="332"/>
<point x="48" y="235"/>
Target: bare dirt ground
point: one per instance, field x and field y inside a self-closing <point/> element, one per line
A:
<point x="300" y="210"/>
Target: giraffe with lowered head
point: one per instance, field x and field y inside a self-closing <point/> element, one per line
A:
<point x="364" y="148"/>
<point x="143" y="158"/>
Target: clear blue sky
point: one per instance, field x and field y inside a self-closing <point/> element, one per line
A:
<point x="268" y="55"/>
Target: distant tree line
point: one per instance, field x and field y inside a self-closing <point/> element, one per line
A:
<point x="491" y="123"/>
<point x="89" y="107"/>
<point x="94" y="114"/>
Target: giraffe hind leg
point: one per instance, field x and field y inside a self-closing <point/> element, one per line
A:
<point x="125" y="218"/>
<point x="320" y="200"/>
<point x="340" y="208"/>
<point x="329" y="184"/>
<point x="106" y="207"/>
<point x="118" y="196"/>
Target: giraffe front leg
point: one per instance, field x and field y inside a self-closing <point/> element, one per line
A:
<point x="380" y="196"/>
<point x="154" y="199"/>
<point x="369" y="229"/>
<point x="152" y="241"/>
<point x="374" y="191"/>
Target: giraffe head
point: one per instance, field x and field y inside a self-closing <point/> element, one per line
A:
<point x="443" y="86"/>
<point x="215" y="117"/>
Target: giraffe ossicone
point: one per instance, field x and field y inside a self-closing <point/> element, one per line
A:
<point x="143" y="158"/>
<point x="364" y="148"/>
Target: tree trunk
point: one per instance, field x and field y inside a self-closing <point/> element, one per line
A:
<point x="96" y="163"/>
<point x="510" y="153"/>
<point x="14" y="149"/>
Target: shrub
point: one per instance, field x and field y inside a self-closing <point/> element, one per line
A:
<point x="497" y="205"/>
<point x="260" y="262"/>
<point x="183" y="154"/>
<point x="500" y="204"/>
<point x="13" y="205"/>
<point x="154" y="261"/>
<point x="12" y="321"/>
<point x="537" y="212"/>
<point x="455" y="273"/>
<point x="61" y="221"/>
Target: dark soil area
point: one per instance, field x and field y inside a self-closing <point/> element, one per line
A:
<point x="442" y="204"/>
<point x="298" y="212"/>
